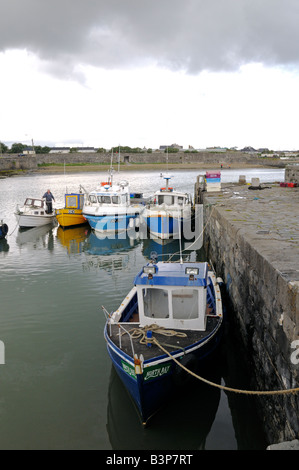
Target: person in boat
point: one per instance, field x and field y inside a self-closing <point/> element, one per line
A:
<point x="49" y="197"/>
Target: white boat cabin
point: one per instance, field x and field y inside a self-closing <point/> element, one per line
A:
<point x="166" y="196"/>
<point x="32" y="202"/>
<point x="169" y="198"/>
<point x="110" y="195"/>
<point x="171" y="295"/>
<point x="35" y="206"/>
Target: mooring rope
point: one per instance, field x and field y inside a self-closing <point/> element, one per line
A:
<point x="9" y="234"/>
<point x="193" y="243"/>
<point x="223" y="387"/>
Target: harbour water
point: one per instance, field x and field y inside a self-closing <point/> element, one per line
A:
<point x="58" y="389"/>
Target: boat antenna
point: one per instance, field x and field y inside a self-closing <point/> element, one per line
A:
<point x="64" y="176"/>
<point x="110" y="171"/>
<point x="167" y="159"/>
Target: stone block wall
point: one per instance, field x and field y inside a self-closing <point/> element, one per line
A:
<point x="8" y="162"/>
<point x="266" y="315"/>
<point x="292" y="174"/>
<point x="17" y="163"/>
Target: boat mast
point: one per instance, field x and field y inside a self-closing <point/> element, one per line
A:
<point x="110" y="171"/>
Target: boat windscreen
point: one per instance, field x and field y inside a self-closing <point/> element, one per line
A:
<point x="185" y="304"/>
<point x="165" y="199"/>
<point x="155" y="303"/>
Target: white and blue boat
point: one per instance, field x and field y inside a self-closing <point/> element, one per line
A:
<point x="108" y="209"/>
<point x="174" y="303"/>
<point x="167" y="211"/>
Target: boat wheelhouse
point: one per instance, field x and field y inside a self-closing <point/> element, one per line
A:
<point x="71" y="214"/>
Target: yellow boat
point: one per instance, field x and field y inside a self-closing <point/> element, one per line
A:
<point x="71" y="213"/>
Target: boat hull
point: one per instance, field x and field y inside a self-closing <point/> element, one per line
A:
<point x="164" y="226"/>
<point x="30" y="220"/>
<point x="110" y="223"/>
<point x="161" y="376"/>
<point x="70" y="217"/>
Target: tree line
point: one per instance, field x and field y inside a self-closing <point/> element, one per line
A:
<point x="18" y="148"/>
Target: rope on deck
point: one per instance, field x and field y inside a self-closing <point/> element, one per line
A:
<point x="142" y="332"/>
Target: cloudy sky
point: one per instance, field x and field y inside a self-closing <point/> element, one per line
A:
<point x="150" y="72"/>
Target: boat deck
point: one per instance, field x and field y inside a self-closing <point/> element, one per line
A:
<point x="171" y="343"/>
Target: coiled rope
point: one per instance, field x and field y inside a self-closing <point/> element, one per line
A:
<point x="141" y="333"/>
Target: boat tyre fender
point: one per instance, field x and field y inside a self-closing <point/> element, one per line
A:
<point x="3" y="230"/>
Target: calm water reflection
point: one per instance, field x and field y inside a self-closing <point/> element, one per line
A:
<point x="57" y="387"/>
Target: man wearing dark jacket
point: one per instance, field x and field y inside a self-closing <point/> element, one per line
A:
<point x="49" y="196"/>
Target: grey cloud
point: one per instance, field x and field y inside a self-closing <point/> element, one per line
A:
<point x="190" y="35"/>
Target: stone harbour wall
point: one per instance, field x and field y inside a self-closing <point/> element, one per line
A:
<point x="15" y="162"/>
<point x="254" y="247"/>
<point x="292" y="174"/>
<point x="18" y="163"/>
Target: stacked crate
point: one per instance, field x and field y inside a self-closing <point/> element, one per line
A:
<point x="213" y="181"/>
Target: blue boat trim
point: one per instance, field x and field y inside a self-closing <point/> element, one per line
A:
<point x="173" y="274"/>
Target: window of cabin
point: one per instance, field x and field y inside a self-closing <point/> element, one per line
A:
<point x="104" y="199"/>
<point x="166" y="199"/>
<point x="155" y="302"/>
<point x="184" y="304"/>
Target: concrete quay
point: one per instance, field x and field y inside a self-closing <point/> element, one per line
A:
<point x="252" y="238"/>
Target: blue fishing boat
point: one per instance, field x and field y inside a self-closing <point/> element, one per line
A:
<point x="171" y="317"/>
<point x="167" y="211"/>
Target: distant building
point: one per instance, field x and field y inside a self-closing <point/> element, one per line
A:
<point x="173" y="146"/>
<point x="60" y="150"/>
<point x="28" y="151"/>
<point x="215" y="149"/>
<point x="86" y="149"/>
